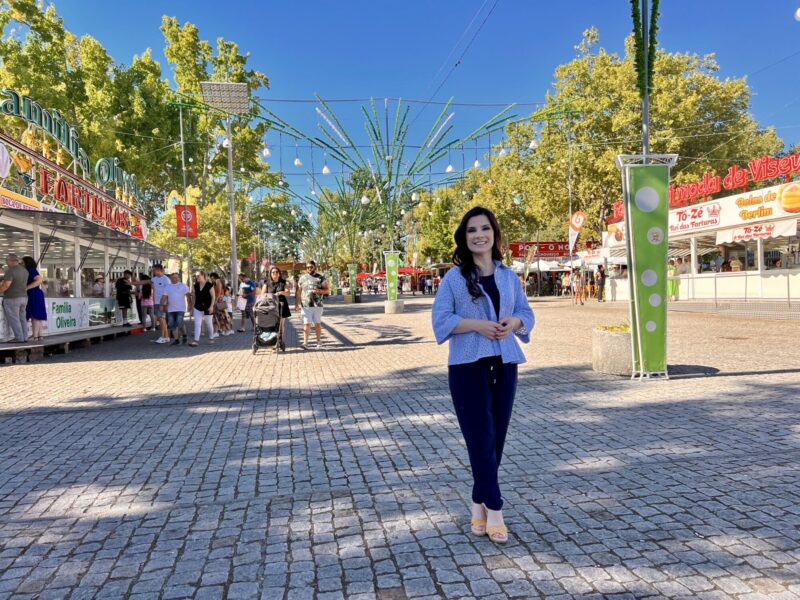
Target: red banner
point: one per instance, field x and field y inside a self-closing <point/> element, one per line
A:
<point x="187" y="220"/>
<point x="543" y="249"/>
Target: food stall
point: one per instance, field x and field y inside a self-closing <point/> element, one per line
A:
<point x="739" y="247"/>
<point x="75" y="229"/>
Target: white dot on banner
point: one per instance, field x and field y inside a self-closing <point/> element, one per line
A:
<point x="655" y="300"/>
<point x="649" y="277"/>
<point x="646" y="199"/>
<point x="655" y="235"/>
<point x="650" y="326"/>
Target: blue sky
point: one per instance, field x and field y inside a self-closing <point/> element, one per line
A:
<point x="363" y="48"/>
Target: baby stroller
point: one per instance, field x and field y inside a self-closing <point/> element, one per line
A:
<point x="269" y="325"/>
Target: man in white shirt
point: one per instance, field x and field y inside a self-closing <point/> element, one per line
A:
<point x="160" y="283"/>
<point x="174" y="304"/>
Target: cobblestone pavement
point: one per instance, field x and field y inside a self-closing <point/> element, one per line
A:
<point x="130" y="470"/>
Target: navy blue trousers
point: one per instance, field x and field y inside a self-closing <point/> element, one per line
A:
<point x="483" y="396"/>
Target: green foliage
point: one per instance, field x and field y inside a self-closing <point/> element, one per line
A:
<point x="639" y="45"/>
<point x="594" y="115"/>
<point x="211" y="249"/>
<point x="129" y="111"/>
<point x="621" y="328"/>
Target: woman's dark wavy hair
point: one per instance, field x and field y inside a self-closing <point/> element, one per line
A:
<point x="462" y="257"/>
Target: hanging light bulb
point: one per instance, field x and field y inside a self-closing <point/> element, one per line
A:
<point x="402" y="211"/>
<point x="298" y="162"/>
<point x="415" y="197"/>
<point x="476" y="164"/>
<point x="326" y="170"/>
<point x="533" y="145"/>
<point x="502" y="153"/>
<point x="437" y="199"/>
<point x="265" y="152"/>
<point x="430" y="213"/>
<point x="489" y="180"/>
<point x="519" y="171"/>
<point x="449" y="169"/>
<point x="280" y="183"/>
<point x="294" y="213"/>
<point x="226" y="143"/>
<point x="273" y="205"/>
<point x="241" y="169"/>
<point x="549" y="168"/>
<point x="364" y="200"/>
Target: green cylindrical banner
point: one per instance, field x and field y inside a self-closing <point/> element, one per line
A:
<point x="646" y="217"/>
<point x="334" y="282"/>
<point x="352" y="273"/>
<point x="392" y="259"/>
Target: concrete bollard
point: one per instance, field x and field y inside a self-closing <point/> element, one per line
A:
<point x="392" y="307"/>
<point x="611" y="352"/>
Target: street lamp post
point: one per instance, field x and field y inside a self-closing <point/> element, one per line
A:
<point x="233" y="99"/>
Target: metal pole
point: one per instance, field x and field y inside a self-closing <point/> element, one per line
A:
<point x="646" y="96"/>
<point x="538" y="266"/>
<point x="569" y="187"/>
<point x="185" y="225"/>
<point x="231" y="206"/>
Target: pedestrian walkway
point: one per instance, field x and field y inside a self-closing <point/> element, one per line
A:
<point x="132" y="470"/>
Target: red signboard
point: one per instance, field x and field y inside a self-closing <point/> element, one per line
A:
<point x="759" y="169"/>
<point x="543" y="249"/>
<point x="187" y="220"/>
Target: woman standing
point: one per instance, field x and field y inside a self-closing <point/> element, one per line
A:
<point x="222" y="321"/>
<point x="478" y="307"/>
<point x="577" y="286"/>
<point x="147" y="302"/>
<point x="672" y="280"/>
<point x="275" y="284"/>
<point x="203" y="307"/>
<point x="36" y="310"/>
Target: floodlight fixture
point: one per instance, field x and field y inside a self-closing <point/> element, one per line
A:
<point x="230" y="97"/>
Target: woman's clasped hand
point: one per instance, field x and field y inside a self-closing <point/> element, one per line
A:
<point x="497" y="331"/>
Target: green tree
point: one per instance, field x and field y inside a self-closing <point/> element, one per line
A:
<point x="593" y="115"/>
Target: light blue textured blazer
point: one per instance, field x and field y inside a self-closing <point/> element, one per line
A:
<point x="453" y="303"/>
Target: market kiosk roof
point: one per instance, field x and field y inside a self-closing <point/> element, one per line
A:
<point x="87" y="230"/>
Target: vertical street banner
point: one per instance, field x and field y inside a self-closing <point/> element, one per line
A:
<point x="645" y="190"/>
<point x="186" y="217"/>
<point x="352" y="273"/>
<point x="392" y="259"/>
<point x="334" y="282"/>
<point x="575" y="224"/>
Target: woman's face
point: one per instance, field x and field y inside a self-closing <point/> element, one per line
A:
<point x="480" y="235"/>
<point x="275" y="274"/>
<point x="200" y="278"/>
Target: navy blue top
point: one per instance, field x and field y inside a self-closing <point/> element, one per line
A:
<point x="489" y="286"/>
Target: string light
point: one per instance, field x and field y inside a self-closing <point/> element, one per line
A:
<point x="266" y="152"/>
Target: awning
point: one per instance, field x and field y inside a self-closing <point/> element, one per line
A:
<point x="86" y="230"/>
<point x="536" y="266"/>
<point x="758" y="231"/>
